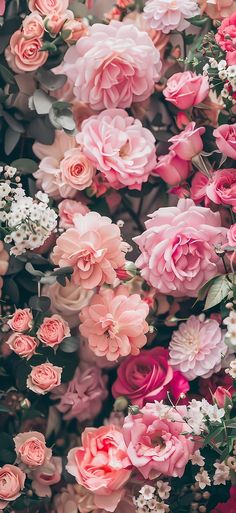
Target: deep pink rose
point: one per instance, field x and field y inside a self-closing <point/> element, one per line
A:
<point x="148" y="377"/>
<point x="226" y="139"/>
<point x="21" y="320"/>
<point x="32" y="26"/>
<point x="188" y="143"/>
<point x="24" y="54"/>
<point x="101" y="465"/>
<point x="221" y="189"/>
<point x="199" y="187"/>
<point x="226" y="37"/>
<point x="12" y="481"/>
<point x="186" y="89"/>
<point x="31" y="449"/>
<point x="47" y="6"/>
<point x="207" y="387"/>
<point x="53" y="330"/>
<point x="43" y="378"/>
<point x="221" y="395"/>
<point x="67" y="209"/>
<point x="23" y="345"/>
<point x="229" y="506"/>
<point x="171" y="168"/>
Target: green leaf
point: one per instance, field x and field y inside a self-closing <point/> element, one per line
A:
<point x="13" y="123"/>
<point x="7" y="456"/>
<point x="6" y="75"/>
<point x="218" y="291"/>
<point x="70" y="344"/>
<point x="50" y="80"/>
<point x="198" y="21"/>
<point x="41" y="131"/>
<point x="4" y="409"/>
<point x="10" y="141"/>
<point x="31" y="270"/>
<point x="25" y="166"/>
<point x="41" y="304"/>
<point x="213" y="433"/>
<point x="202" y="292"/>
<point x="42" y="102"/>
<point x="189" y="38"/>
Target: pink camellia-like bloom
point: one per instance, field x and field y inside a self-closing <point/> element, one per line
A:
<point x="226" y="139"/>
<point x="43" y="378"/>
<point x="45" y="476"/>
<point x="23" y="345"/>
<point x="12" y="481"/>
<point x="197" y="347"/>
<point x="31" y="449"/>
<point x="67" y="301"/>
<point x="120" y="147"/>
<point x="101" y="465"/>
<point x="221" y="395"/>
<point x="24" y="54"/>
<point x="178" y="248"/>
<point x="114" y="323"/>
<point x="67" y="209"/>
<point x="22" y="320"/>
<point x="32" y="26"/>
<point x="93" y="248"/>
<point x="188" y="143"/>
<point x="165" y="15"/>
<point x="225" y="38"/>
<point x="77" y="170"/>
<point x="114" y="66"/>
<point x="47" y="6"/>
<point x="83" y="396"/>
<point x="186" y="89"/>
<point x="156" y="445"/>
<point x="53" y="330"/>
<point x="171" y="168"/>
<point x="221" y="189"/>
<point x="148" y="377"/>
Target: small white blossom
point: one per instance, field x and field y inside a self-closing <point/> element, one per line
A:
<point x="163" y="489"/>
<point x="222" y="65"/>
<point x="147" y="492"/>
<point x="42" y="196"/>
<point x="221" y="474"/>
<point x="222" y="74"/>
<point x="5" y="190"/>
<point x="203" y="479"/>
<point x="197" y="459"/>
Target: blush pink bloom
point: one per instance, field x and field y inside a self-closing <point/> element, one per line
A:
<point x="105" y="78"/>
<point x="231" y="235"/>
<point x="199" y="187"/>
<point x="43" y="378"/>
<point x="197" y="347"/>
<point x="221" y="189"/>
<point x="67" y="209"/>
<point x="83" y="396"/>
<point x="226" y="139"/>
<point x="73" y="498"/>
<point x="120" y="147"/>
<point x="78" y="28"/>
<point x="67" y="301"/>
<point x="225" y="38"/>
<point x="24" y="54"/>
<point x="22" y="320"/>
<point x="31" y="449"/>
<point x="12" y="481"/>
<point x="114" y="323"/>
<point x="54" y="21"/>
<point x="33" y="26"/>
<point x="23" y="345"/>
<point x="165" y="15"/>
<point x="77" y="170"/>
<point x="47" y="6"/>
<point x="157" y="446"/>
<point x="171" y="168"/>
<point x="188" y="143"/>
<point x="93" y="248"/>
<point x="178" y="248"/>
<point x="101" y="465"/>
<point x="53" y="330"/>
<point x="148" y="377"/>
<point x="186" y="89"/>
<point x="221" y="395"/>
<point x="46" y="476"/>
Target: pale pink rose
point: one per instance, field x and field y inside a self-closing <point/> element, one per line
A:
<point x="178" y="248"/>
<point x="77" y="170"/>
<point x="156" y="445"/>
<point x="32" y="26"/>
<point x="93" y="248"/>
<point x="46" y="476"/>
<point x="78" y="28"/>
<point x="53" y="330"/>
<point x="120" y="147"/>
<point x="171" y="168"/>
<point x="105" y="78"/>
<point x="197" y="348"/>
<point x="54" y="21"/>
<point x="22" y="320"/>
<point x="101" y="465"/>
<point x="23" y="345"/>
<point x="166" y="15"/>
<point x="226" y="139"/>
<point x="188" y="143"/>
<point x="12" y="481"/>
<point x="186" y="89"/>
<point x="24" y="54"/>
<point x="199" y="187"/>
<point x="221" y="189"/>
<point x="67" y="210"/>
<point x="43" y="378"/>
<point x="114" y="323"/>
<point x="222" y="395"/>
<point x="74" y="498"/>
<point x="231" y="235"/>
<point x="31" y="449"/>
<point x="47" y="6"/>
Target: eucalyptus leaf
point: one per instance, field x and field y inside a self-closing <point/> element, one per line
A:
<point x="198" y="21"/>
<point x="217" y="292"/>
<point x="11" y="140"/>
<point x="30" y="269"/>
<point x="51" y="80"/>
<point x="25" y="166"/>
<point x="41" y="131"/>
<point x="42" y="102"/>
<point x="41" y="304"/>
<point x="13" y="123"/>
<point x="69" y="344"/>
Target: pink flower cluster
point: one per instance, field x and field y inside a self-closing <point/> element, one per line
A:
<point x="220" y="188"/>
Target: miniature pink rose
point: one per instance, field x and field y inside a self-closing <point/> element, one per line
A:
<point x="24" y="54"/>
<point x="22" y="320"/>
<point x="32" y="26"/>
<point x="171" y="168"/>
<point x="23" y="345"/>
<point x="31" y="449"/>
<point x="46" y="476"/>
<point x="12" y="481"/>
<point x="43" y="378"/>
<point x="188" y="143"/>
<point x="221" y="189"/>
<point x="78" y="28"/>
<point x="67" y="209"/>
<point x="53" y="330"/>
<point x="186" y="89"/>
<point x="226" y="139"/>
<point x="77" y="170"/>
<point x="54" y="21"/>
<point x="47" y="6"/>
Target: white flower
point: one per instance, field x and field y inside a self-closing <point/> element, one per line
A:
<point x="140" y="501"/>
<point x="163" y="489"/>
<point x="222" y="65"/>
<point x="212" y="411"/>
<point x="197" y="459"/>
<point x="5" y="190"/>
<point x="203" y="479"/>
<point x="224" y="93"/>
<point x="232" y="370"/>
<point x="167" y="15"/>
<point x="42" y="196"/>
<point x="222" y="74"/>
<point x="152" y="504"/>
<point x="147" y="492"/>
<point x="221" y="474"/>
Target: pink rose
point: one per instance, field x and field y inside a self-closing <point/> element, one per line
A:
<point x="77" y="170"/>
<point x="156" y="445"/>
<point x="225" y="38"/>
<point x="178" y="248"/>
<point x="78" y="28"/>
<point x="188" y="143"/>
<point x="107" y="79"/>
<point x="171" y="168"/>
<point x="186" y="89"/>
<point x="208" y="386"/>
<point x="101" y="465"/>
<point x="221" y="189"/>
<point x="226" y="139"/>
<point x="44" y="378"/>
<point x="24" y="54"/>
<point x="22" y="320"/>
<point x="67" y="209"/>
<point x="54" y="21"/>
<point x="221" y="395"/>
<point x="23" y="345"/>
<point x="231" y="235"/>
<point x="46" y="476"/>
<point x="53" y="330"/>
<point x="93" y="248"/>
<point x="32" y="26"/>
<point x="31" y="449"/>
<point x="12" y="481"/>
<point x="199" y="188"/>
<point x="47" y="6"/>
<point x="120" y="147"/>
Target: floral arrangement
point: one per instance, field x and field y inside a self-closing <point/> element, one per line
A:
<point x="118" y="256"/>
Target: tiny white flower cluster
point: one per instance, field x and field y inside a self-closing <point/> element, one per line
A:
<point x="225" y="73"/>
<point x="150" y="499"/>
<point x="203" y="478"/>
<point x="230" y="322"/>
<point x="222" y="473"/>
<point x="199" y="412"/>
<point x="232" y="369"/>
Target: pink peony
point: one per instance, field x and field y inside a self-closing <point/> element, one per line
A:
<point x="23" y="345"/>
<point x="221" y="189"/>
<point x="12" y="481"/>
<point x="32" y="26"/>
<point x="188" y="143"/>
<point x="171" y="168"/>
<point x="93" y="248"/>
<point x="148" y="377"/>
<point x="45" y="476"/>
<point x="77" y="170"/>
<point x="24" y="54"/>
<point x="31" y="449"/>
<point x="114" y="323"/>
<point x="197" y="347"/>
<point x="186" y="89"/>
<point x="21" y="320"/>
<point x="47" y="6"/>
<point x="53" y="330"/>
<point x="225" y="38"/>
<point x="165" y="15"/>
<point x="43" y="378"/>
<point x="226" y="139"/>
<point x="101" y="465"/>
<point x="114" y="66"/>
<point x="120" y="147"/>
<point x="156" y="445"/>
<point x="177" y="248"/>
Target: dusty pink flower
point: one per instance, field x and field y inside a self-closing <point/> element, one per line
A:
<point x="77" y="170"/>
<point x="45" y="476"/>
<point x="188" y="143"/>
<point x="120" y="147"/>
<point x="199" y="187"/>
<point x="166" y="15"/>
<point x="186" y="89"/>
<point x="226" y="139"/>
<point x="231" y="235"/>
<point x="74" y="498"/>
<point x="217" y="9"/>
<point x="178" y="248"/>
<point x="12" y="481"/>
<point x="197" y="347"/>
<point x="54" y="21"/>
<point x="43" y="378"/>
<point x="32" y="26"/>
<point x="105" y="78"/>
<point x="21" y="320"/>
<point x="67" y="209"/>
<point x="67" y="301"/>
<point x="47" y="6"/>
<point x="24" y="54"/>
<point x="101" y="465"/>
<point x="78" y="28"/>
<point x="222" y="187"/>
<point x="83" y="396"/>
<point x="31" y="449"/>
<point x="93" y="248"/>
<point x="23" y="345"/>
<point x="114" y="323"/>
<point x="225" y="38"/>
<point x="53" y="330"/>
<point x="171" y="168"/>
